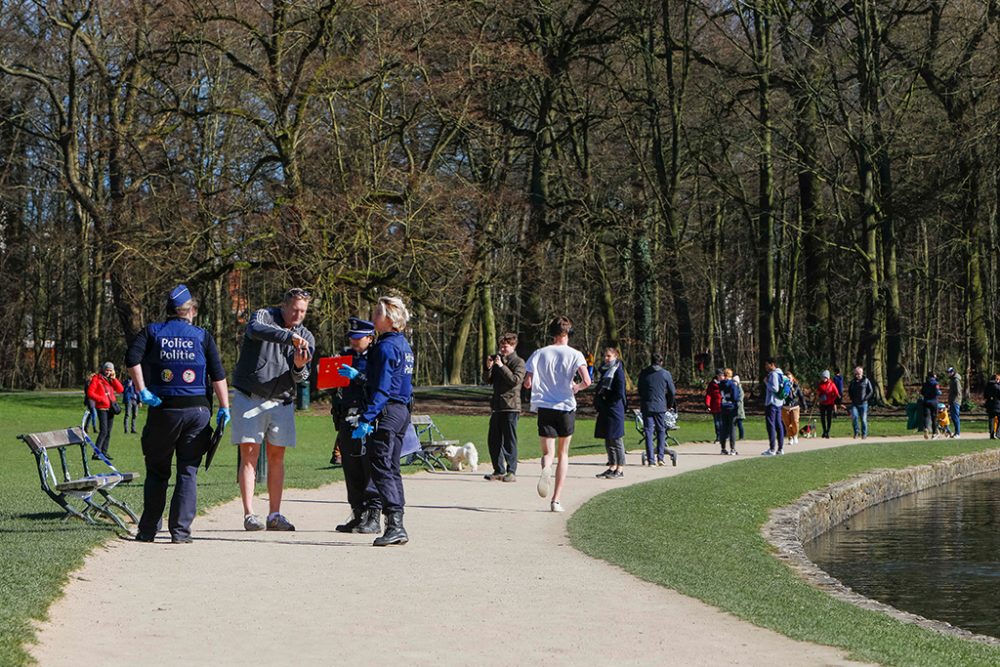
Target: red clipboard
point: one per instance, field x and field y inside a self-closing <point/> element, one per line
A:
<point x="328" y="378"/>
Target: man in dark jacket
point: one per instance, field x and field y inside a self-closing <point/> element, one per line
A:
<point x="992" y="397"/>
<point x="657" y="394"/>
<point x="505" y="371"/>
<point x="929" y="393"/>
<point x="274" y="357"/>
<point x="861" y="391"/>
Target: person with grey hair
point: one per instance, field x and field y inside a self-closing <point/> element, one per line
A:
<point x="103" y="390"/>
<point x="274" y="358"/>
<point x="860" y="391"/>
<point x="385" y="416"/>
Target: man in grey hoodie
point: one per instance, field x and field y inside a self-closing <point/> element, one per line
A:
<point x="274" y="357"/>
<point x="955" y="400"/>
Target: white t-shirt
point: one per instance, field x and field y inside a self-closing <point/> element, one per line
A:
<point x="552" y="369"/>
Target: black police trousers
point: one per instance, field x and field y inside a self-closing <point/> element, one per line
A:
<point x="361" y="491"/>
<point x="383" y="448"/>
<point x="183" y="431"/>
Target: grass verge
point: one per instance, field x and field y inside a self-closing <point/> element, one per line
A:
<point x="699" y="533"/>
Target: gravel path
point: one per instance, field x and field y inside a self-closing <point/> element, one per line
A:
<point x="489" y="578"/>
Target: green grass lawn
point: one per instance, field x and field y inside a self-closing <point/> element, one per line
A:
<point x="699" y="533"/>
<point x="39" y="549"/>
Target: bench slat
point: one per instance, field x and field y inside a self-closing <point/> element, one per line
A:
<point x="50" y="439"/>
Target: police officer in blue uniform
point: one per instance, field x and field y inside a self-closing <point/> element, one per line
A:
<point x="171" y="363"/>
<point x="348" y="402"/>
<point x="386" y="414"/>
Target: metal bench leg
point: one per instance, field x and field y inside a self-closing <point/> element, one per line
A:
<point x="120" y="504"/>
<point x="102" y="509"/>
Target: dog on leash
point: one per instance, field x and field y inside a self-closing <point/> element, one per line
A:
<point x="466" y="455"/>
<point x="808" y="430"/>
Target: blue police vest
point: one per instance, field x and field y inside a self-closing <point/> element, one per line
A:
<point x="174" y="363"/>
<point x="402" y="376"/>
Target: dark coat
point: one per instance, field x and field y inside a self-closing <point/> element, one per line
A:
<point x="657" y="393"/>
<point x="506" y="381"/>
<point x="611" y="409"/>
<point x="992" y="396"/>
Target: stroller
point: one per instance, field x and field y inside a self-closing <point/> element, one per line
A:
<point x="669" y="441"/>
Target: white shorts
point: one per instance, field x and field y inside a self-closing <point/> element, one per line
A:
<point x="257" y="419"/>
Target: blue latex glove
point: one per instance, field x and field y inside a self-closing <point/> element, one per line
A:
<point x="362" y="431"/>
<point x="222" y="418"/>
<point x="348" y="372"/>
<point x="149" y="398"/>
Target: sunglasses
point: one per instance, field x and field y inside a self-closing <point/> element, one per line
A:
<point x="297" y="293"/>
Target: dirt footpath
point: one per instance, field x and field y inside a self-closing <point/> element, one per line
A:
<point x="488" y="578"/>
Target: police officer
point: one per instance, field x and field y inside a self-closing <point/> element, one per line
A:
<point x="386" y="414"/>
<point x="171" y="364"/>
<point x="366" y="504"/>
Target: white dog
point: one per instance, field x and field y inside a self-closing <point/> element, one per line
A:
<point x="466" y="455"/>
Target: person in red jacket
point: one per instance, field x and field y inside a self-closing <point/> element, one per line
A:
<point x="827" y="396"/>
<point x="103" y="390"/>
<point x="713" y="403"/>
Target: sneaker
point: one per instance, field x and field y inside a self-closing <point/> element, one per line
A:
<point x="660" y="463"/>
<point x="767" y="452"/>
<point x="142" y="537"/>
<point x="494" y="477"/>
<point x="253" y="522"/>
<point x="509" y="477"/>
<point x="607" y="473"/>
<point x="781" y="452"/>
<point x="927" y="434"/>
<point x="864" y="437"/>
<point x="957" y="435"/>
<point x="545" y="481"/>
<point x="279" y="522"/>
<point x="732" y="452"/>
<point x="854" y="437"/>
<point x="724" y="452"/>
<point x="617" y="474"/>
<point x="181" y="540"/>
<point x="556" y="507"/>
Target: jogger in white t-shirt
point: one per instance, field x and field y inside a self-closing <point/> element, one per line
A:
<point x="551" y="373"/>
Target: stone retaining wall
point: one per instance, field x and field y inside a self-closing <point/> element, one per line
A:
<point x="818" y="511"/>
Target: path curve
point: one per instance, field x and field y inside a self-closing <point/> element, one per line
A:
<point x="489" y="578"/>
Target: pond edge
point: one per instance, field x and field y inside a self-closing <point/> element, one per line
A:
<point x="818" y="511"/>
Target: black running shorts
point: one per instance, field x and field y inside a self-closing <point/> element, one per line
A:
<point x="556" y="423"/>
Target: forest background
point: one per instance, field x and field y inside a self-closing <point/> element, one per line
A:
<point x="715" y="180"/>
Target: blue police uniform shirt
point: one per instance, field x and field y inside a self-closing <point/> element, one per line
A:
<point x="174" y="363"/>
<point x="354" y="395"/>
<point x="390" y="374"/>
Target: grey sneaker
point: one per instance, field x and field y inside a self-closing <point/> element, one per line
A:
<point x="279" y="522"/>
<point x="545" y="481"/>
<point x="253" y="522"/>
<point x="509" y="477"/>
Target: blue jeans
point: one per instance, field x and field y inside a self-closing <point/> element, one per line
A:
<point x="954" y="410"/>
<point x="860" y="412"/>
<point x="654" y="426"/>
<point x="775" y="429"/>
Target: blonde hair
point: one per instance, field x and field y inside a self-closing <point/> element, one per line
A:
<point x="729" y="373"/>
<point x="395" y="310"/>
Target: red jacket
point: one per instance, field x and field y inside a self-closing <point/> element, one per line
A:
<point x="713" y="397"/>
<point x="826" y="393"/>
<point x="103" y="391"/>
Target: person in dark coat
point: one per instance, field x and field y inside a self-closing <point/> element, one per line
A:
<point x="731" y="393"/>
<point x="657" y="394"/>
<point x="991" y="395"/>
<point x="929" y="393"/>
<point x="610" y="403"/>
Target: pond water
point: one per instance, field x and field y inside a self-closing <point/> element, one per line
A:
<point x="935" y="553"/>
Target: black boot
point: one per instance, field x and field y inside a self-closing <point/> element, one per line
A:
<point x="371" y="522"/>
<point x="352" y="524"/>
<point x="394" y="531"/>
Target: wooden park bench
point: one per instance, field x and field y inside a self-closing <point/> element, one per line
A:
<point x="79" y="489"/>
<point x="432" y="444"/>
